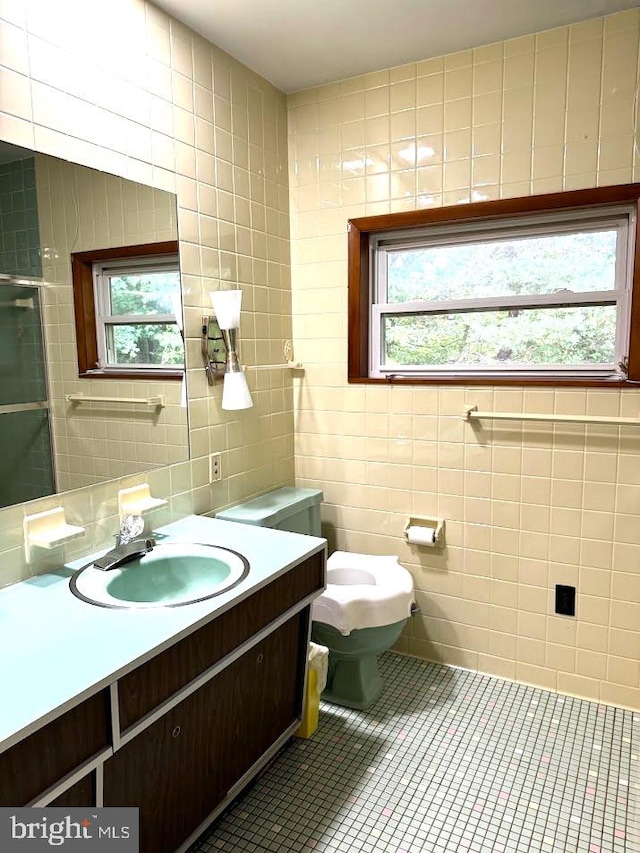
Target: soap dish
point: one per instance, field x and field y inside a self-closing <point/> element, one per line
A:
<point x="137" y="500"/>
<point x="48" y="530"/>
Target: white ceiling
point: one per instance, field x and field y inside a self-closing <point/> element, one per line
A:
<point x="297" y="44"/>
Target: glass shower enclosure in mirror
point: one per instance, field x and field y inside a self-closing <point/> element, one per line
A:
<point x="62" y="428"/>
<point x="26" y="457"/>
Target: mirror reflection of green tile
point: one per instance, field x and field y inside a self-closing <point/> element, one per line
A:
<point x="20" y="234"/>
<point x="26" y="466"/>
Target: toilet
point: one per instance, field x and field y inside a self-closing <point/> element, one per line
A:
<point x="364" y="608"/>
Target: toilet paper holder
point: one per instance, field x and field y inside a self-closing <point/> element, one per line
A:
<point x="427" y="532"/>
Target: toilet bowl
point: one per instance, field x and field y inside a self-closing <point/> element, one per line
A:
<point x="361" y="614"/>
<point x="364" y="608"/>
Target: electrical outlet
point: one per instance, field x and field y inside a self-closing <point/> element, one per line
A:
<point x="215" y="467"/>
<point x="565" y="600"/>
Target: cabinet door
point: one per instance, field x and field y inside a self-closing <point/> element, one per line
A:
<point x="267" y="694"/>
<point x="180" y="768"/>
<point x="172" y="770"/>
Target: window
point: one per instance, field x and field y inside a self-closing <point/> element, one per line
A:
<point x="127" y="302"/>
<point x="136" y="304"/>
<point x="523" y="290"/>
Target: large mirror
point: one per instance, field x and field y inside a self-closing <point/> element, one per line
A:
<point x="60" y="430"/>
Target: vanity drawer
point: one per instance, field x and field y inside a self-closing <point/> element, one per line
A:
<point x="155" y="681"/>
<point x="83" y="793"/>
<point x="41" y="759"/>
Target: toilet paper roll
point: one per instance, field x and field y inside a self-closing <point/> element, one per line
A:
<point x="421" y="535"/>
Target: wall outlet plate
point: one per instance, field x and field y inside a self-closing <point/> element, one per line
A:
<point x="215" y="467"/>
<point x="565" y="600"/>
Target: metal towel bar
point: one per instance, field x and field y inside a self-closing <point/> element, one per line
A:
<point x="292" y="365"/>
<point x="471" y="413"/>
<point x="156" y="402"/>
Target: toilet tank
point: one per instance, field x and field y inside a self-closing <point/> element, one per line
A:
<point x="294" y="510"/>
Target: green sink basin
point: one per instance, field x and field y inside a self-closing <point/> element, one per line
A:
<point x="170" y="575"/>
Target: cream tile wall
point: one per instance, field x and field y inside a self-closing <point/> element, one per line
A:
<point x="526" y="507"/>
<point x="163" y="107"/>
<point x="81" y="209"/>
<point x="185" y="485"/>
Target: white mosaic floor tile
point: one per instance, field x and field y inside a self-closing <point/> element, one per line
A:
<point x="519" y="770"/>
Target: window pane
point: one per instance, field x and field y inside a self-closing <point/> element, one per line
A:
<point x="545" y="264"/>
<point x="539" y="336"/>
<point x="144" y="293"/>
<point x="149" y="343"/>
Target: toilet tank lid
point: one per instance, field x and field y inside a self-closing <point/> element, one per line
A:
<point x="270" y="509"/>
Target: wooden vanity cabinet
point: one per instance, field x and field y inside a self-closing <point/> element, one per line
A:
<point x="58" y="748"/>
<point x="83" y="793"/>
<point x="147" y="686"/>
<point x="182" y="766"/>
<point x="194" y="723"/>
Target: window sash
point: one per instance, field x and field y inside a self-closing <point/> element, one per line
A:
<point x="135" y="365"/>
<point x="138" y="319"/>
<point x="540" y="225"/>
<point x="379" y="368"/>
<point x="580" y="222"/>
<point x="502" y="303"/>
<point x="515" y="370"/>
<point x="102" y="275"/>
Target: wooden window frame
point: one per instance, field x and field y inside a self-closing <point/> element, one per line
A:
<point x="85" y="311"/>
<point x="359" y="288"/>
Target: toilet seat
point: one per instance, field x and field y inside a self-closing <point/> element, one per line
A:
<point x="363" y="591"/>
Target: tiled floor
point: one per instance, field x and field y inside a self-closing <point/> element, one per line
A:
<point x="447" y="760"/>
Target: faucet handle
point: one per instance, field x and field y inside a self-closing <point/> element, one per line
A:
<point x="130" y="528"/>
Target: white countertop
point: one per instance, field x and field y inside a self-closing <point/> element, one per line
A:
<point x="57" y="650"/>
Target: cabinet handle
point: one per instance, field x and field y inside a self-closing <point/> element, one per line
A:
<point x="176" y="731"/>
<point x="260" y="658"/>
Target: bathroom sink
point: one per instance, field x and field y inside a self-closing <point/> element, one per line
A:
<point x="171" y="575"/>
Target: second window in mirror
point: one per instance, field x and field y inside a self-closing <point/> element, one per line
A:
<point x="128" y="312"/>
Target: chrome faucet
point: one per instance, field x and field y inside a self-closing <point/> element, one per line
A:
<point x="128" y="545"/>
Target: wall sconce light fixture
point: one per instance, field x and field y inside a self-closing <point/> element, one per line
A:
<point x="219" y="349"/>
